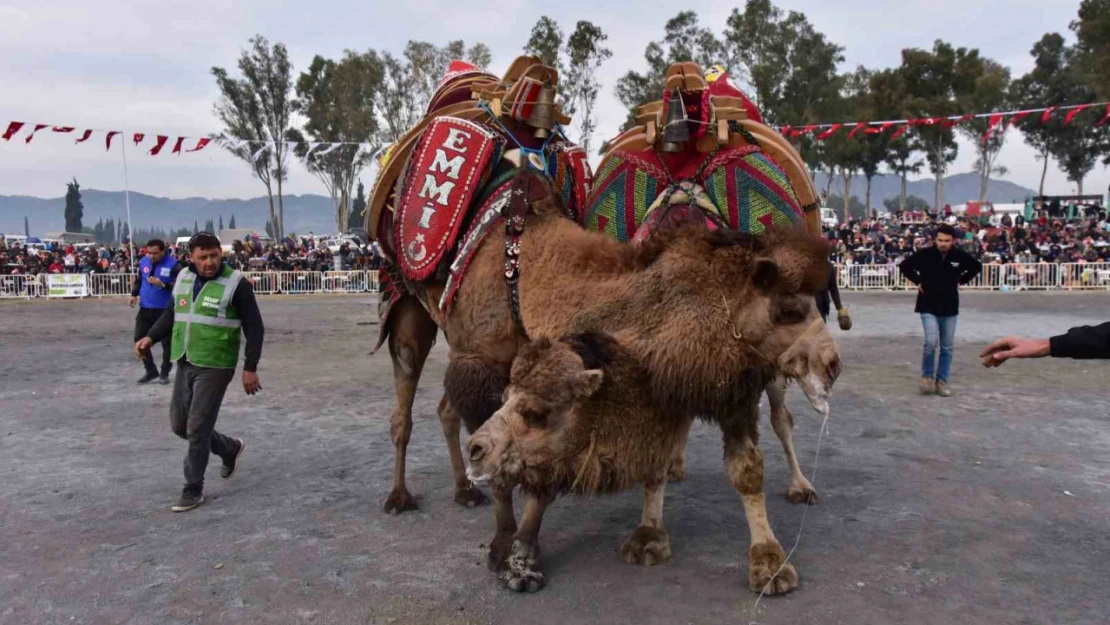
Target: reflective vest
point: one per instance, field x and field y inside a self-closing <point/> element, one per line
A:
<point x="151" y="296"/>
<point x="207" y="328"/>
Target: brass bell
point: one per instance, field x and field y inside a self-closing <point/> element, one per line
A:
<point x="676" y="130"/>
<point x="542" y="117"/>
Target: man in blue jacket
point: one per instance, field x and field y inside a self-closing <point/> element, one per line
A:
<point x="153" y="289"/>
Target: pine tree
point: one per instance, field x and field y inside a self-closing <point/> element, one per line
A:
<point x="26" y="227"/>
<point x="221" y="222"/>
<point x="196" y="228"/>
<point x="231" y="224"/>
<point x="269" y="229"/>
<point x="74" y="208"/>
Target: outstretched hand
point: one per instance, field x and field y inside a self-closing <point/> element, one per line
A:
<point x="1014" y="347"/>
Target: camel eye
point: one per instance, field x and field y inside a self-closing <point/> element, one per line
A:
<point x="791" y="310"/>
<point x="534" y="417"/>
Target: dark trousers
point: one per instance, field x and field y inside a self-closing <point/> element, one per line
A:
<point x="143" y="322"/>
<point x="197" y="395"/>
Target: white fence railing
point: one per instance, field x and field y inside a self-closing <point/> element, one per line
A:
<point x="264" y="282"/>
<point x="1016" y="277"/>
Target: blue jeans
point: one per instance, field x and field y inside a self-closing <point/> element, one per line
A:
<point x="940" y="330"/>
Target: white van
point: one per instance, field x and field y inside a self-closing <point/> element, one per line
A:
<point x="828" y="218"/>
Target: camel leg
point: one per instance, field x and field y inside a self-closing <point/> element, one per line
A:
<point x="677" y="470"/>
<point x="745" y="468"/>
<point x="466" y="494"/>
<point x="800" y="489"/>
<point x="523" y="571"/>
<point x="411" y="336"/>
<point x="649" y="544"/>
<point x="505" y="520"/>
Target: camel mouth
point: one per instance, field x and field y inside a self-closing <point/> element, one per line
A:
<point x="476" y="477"/>
<point x="816" y="391"/>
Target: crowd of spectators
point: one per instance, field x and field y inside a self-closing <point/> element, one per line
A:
<point x="992" y="238"/>
<point x="21" y="258"/>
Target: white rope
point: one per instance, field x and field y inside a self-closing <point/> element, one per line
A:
<point x="805" y="512"/>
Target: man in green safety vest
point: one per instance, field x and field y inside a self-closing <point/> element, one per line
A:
<point x="213" y="306"/>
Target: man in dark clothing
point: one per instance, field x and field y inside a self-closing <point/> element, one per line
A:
<point x="153" y="289"/>
<point x="212" y="306"/>
<point x="938" y="271"/>
<point x="1082" y="343"/>
<point x="832" y="291"/>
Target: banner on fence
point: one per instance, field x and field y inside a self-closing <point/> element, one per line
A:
<point x="67" y="285"/>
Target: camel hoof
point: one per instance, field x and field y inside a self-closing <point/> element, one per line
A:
<point x="399" y="501"/>
<point x="647" y="546"/>
<point x="522" y="572"/>
<point x="763" y="570"/>
<point x="470" y="497"/>
<point x="499" y="549"/>
<point x="806" y="495"/>
<point x="676" y="472"/>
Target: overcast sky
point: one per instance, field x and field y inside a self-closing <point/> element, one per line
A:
<point x="144" y="66"/>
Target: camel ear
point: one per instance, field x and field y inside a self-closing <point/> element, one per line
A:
<point x="766" y="274"/>
<point x="587" y="382"/>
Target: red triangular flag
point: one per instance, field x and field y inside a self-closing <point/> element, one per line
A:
<point x="13" y="128"/>
<point x="38" y="127"/>
<point x="995" y="120"/>
<point x="1105" y="118"/>
<point x="177" y="145"/>
<point x="1047" y="114"/>
<point x="200" y="144"/>
<point x="162" y="139"/>
<point x="1016" y="118"/>
<point x="1075" y="111"/>
<point x="63" y="128"/>
<point x="903" y="128"/>
<point x="84" y="136"/>
<point x="108" y="139"/>
<point x="138" y="138"/>
<point x="950" y="123"/>
<point x="856" y="130"/>
<point x="803" y="131"/>
<point x="830" y="132"/>
<point x="785" y="130"/>
<point x="880" y="129"/>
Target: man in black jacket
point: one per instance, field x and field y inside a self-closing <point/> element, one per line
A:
<point x="1083" y="343"/>
<point x="938" y="271"/>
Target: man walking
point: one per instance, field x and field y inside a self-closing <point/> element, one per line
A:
<point x="938" y="271"/>
<point x="153" y="289"/>
<point x="212" y="306"/>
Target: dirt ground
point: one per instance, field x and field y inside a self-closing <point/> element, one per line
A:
<point x="992" y="506"/>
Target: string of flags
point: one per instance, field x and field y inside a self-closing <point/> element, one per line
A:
<point x="157" y="143"/>
<point x="900" y="126"/>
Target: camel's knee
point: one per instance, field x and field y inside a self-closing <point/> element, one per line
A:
<point x="745" y="467"/>
<point x="782" y="421"/>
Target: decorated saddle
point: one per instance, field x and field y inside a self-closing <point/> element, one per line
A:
<point x="700" y="154"/>
<point x="445" y="184"/>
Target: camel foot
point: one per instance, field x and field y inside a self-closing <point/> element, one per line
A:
<point x="499" y="549"/>
<point x="647" y="546"/>
<point x="802" y="492"/>
<point x="522" y="571"/>
<point x="677" y="471"/>
<point x="470" y="497"/>
<point x="399" y="501"/>
<point x="765" y="561"/>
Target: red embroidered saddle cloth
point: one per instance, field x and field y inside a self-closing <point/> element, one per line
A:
<point x="447" y="169"/>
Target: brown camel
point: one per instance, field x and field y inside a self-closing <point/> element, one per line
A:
<point x="709" y="313"/>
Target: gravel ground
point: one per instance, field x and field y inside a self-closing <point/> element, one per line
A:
<point x="988" y="507"/>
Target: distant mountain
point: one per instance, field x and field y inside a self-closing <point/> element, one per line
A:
<point x="958" y="189"/>
<point x="303" y="213"/>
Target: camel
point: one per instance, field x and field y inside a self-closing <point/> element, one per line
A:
<point x="580" y="417"/>
<point x="711" y="314"/>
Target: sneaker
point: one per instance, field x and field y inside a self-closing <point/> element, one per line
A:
<point x="189" y="500"/>
<point x="164" y="379"/>
<point x="149" y="377"/>
<point x="228" y="468"/>
<point x="928" y="386"/>
<point x="942" y="389"/>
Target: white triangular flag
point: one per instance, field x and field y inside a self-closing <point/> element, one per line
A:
<point x="257" y="154"/>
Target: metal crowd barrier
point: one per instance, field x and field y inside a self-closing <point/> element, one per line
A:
<point x="1013" y="277"/>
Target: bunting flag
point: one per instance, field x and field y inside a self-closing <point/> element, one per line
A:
<point x="859" y="126"/>
<point x="1105" y="117"/>
<point x="177" y="145"/>
<point x="203" y="141"/>
<point x="108" y="139"/>
<point x="1047" y="114"/>
<point x="38" y="127"/>
<point x="995" y="120"/>
<point x="1016" y="118"/>
<point x="13" y="128"/>
<point x="162" y="139"/>
<point x="138" y="137"/>
<point x="903" y="128"/>
<point x="830" y="132"/>
<point x="261" y="151"/>
<point x="1072" y="113"/>
<point x="952" y="123"/>
<point x="84" y="136"/>
<point x="64" y="128"/>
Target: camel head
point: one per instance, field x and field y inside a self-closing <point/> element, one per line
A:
<point x="528" y="439"/>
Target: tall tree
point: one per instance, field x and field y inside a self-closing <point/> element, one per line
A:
<point x="337" y="100"/>
<point x="1045" y="85"/>
<point x="937" y="81"/>
<point x="209" y="226"/>
<point x="546" y="42"/>
<point x="1092" y="30"/>
<point x="231" y="222"/>
<point x="221" y="226"/>
<point x="257" y="108"/>
<point x="26" y="227"/>
<point x="75" y="210"/>
<point x="586" y="54"/>
<point x="683" y="40"/>
<point x="991" y="93"/>
<point x="786" y="65"/>
<point x="358" y="207"/>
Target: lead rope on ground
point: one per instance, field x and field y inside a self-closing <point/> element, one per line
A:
<point x="805" y="512"/>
